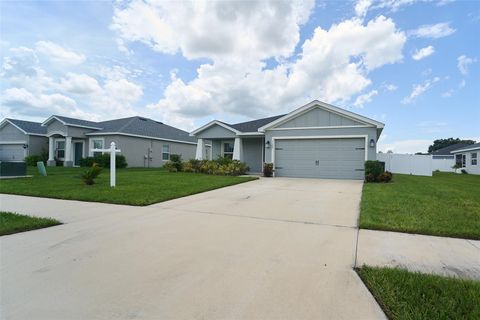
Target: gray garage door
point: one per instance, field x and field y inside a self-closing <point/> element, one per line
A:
<point x="11" y="152"/>
<point x="320" y="158"/>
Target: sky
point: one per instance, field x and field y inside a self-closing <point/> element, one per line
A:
<point x="413" y="65"/>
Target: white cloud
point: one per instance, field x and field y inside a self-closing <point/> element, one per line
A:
<point x="463" y="63"/>
<point x="214" y="29"/>
<point x="365" y="98"/>
<point x="433" y="31"/>
<point x="79" y="84"/>
<point x="58" y="53"/>
<point x="361" y="7"/>
<point x="333" y="66"/>
<point x="405" y="146"/>
<point x="389" y="87"/>
<point x="419" y="89"/>
<point x="423" y="53"/>
<point x="432" y="126"/>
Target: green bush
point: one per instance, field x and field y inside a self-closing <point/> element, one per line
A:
<point x="176" y="160"/>
<point x="33" y="159"/>
<point x="268" y="169"/>
<point x="104" y="161"/>
<point x="374" y="168"/>
<point x="385" y="177"/>
<point x="221" y="166"/>
<point x="170" y="166"/>
<point x="90" y="175"/>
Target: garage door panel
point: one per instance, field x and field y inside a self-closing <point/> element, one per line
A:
<point x="12" y="152"/>
<point x="320" y="158"/>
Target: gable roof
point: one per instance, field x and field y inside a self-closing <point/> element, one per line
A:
<point x="27" y="127"/>
<point x="469" y="147"/>
<point x="326" y="106"/>
<point x="142" y="127"/>
<point x="72" y="122"/>
<point x="447" y="150"/>
<point x="254" y="125"/>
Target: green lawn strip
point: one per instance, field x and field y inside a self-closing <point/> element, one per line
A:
<point x="13" y="223"/>
<point x="411" y="295"/>
<point x="446" y="204"/>
<point x="135" y="186"/>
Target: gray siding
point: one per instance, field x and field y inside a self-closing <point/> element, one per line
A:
<point x="319" y="118"/>
<point x="57" y="126"/>
<point x="37" y="145"/>
<point x="134" y="149"/>
<point x="10" y="133"/>
<point x="215" y="132"/>
<point x="370" y="132"/>
<point x="78" y="132"/>
<point x="252" y="153"/>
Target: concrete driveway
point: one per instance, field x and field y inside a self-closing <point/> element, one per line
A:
<point x="269" y="249"/>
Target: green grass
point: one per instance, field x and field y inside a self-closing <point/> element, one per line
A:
<point x="134" y="186"/>
<point x="446" y="204"/>
<point x="13" y="223"/>
<point x="407" y="295"/>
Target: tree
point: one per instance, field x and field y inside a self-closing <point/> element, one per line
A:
<point x="442" y="143"/>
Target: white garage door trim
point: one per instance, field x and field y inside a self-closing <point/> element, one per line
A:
<point x="365" y="137"/>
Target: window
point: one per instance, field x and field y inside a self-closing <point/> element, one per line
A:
<point x="60" y="149"/>
<point x="228" y="150"/>
<point x="97" y="144"/>
<point x="166" y="152"/>
<point x="474" y="158"/>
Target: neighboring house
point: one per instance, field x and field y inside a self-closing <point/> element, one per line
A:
<point x="144" y="142"/>
<point x="468" y="158"/>
<point x="317" y="140"/>
<point x="443" y="159"/>
<point x="19" y="139"/>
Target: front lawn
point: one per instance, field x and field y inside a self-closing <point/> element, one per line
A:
<point x="446" y="204"/>
<point x="136" y="186"/>
<point x="409" y="295"/>
<point x="13" y="223"/>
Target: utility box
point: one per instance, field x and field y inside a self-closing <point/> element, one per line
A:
<point x="13" y="169"/>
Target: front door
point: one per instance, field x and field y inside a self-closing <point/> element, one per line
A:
<point x="78" y="153"/>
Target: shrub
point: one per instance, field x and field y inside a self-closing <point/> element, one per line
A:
<point x="370" y="177"/>
<point x="268" y="169"/>
<point x="375" y="168"/>
<point x="385" y="177"/>
<point x="221" y="166"/>
<point x="223" y="160"/>
<point x="170" y="166"/>
<point x="176" y="161"/>
<point x="464" y="171"/>
<point x="90" y="175"/>
<point x="104" y="161"/>
<point x="33" y="159"/>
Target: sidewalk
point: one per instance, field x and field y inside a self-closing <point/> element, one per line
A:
<point x="427" y="254"/>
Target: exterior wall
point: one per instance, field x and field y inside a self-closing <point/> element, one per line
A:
<point x="135" y="150"/>
<point x="216" y="149"/>
<point x="252" y="153"/>
<point x="471" y="169"/>
<point x="78" y="132"/>
<point x="215" y="132"/>
<point x="319" y="118"/>
<point x="370" y="132"/>
<point x="10" y="133"/>
<point x="37" y="145"/>
<point x="58" y="127"/>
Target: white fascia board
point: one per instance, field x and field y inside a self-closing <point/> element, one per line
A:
<point x="323" y="105"/>
<point x="212" y="123"/>
<point x="137" y="136"/>
<point x="49" y="119"/>
<point x="464" y="150"/>
<point x="46" y="122"/>
<point x="36" y="134"/>
<point x="13" y="142"/>
<point x="5" y="121"/>
<point x="250" y="134"/>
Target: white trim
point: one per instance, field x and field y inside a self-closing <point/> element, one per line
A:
<point x="90" y="145"/>
<point x="13" y="142"/>
<point x="222" y="147"/>
<point x="211" y="123"/>
<point x="316" y="137"/>
<point x="135" y="135"/>
<point x="251" y="134"/>
<point x="463" y="150"/>
<point x="45" y="123"/>
<point x="2" y="124"/>
<point x="323" y="105"/>
<point x="326" y="127"/>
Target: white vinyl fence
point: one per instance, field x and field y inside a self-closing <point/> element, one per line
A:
<point x="444" y="165"/>
<point x="418" y="165"/>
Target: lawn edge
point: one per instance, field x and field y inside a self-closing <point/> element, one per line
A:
<point x="134" y="205"/>
<point x="421" y="233"/>
<point x="55" y="223"/>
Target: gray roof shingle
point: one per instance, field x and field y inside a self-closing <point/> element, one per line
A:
<point x="29" y="126"/>
<point x="469" y="146"/>
<point x="78" y="122"/>
<point x="447" y="150"/>
<point x="252" y="126"/>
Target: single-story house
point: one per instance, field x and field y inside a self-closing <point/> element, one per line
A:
<point x="468" y="158"/>
<point x="19" y="139"/>
<point x="317" y="140"/>
<point x="443" y="159"/>
<point x="144" y="142"/>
